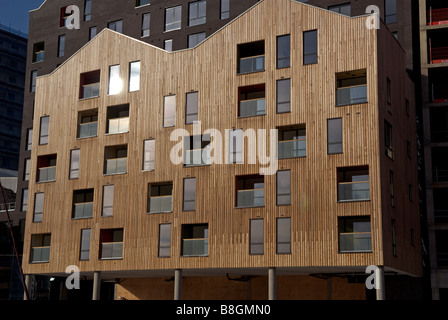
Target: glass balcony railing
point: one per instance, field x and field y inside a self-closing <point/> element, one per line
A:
<point x="40" y="254"/>
<point x="353" y="191"/>
<point x="194" y="247"/>
<point x="355" y="242"/>
<point x="251" y="64"/>
<point x="160" y="204"/>
<point x="83" y="210"/>
<point x="91" y="90"/>
<point x="119" y="125"/>
<point x="47" y="174"/>
<point x="291" y="149"/>
<point x="88" y="129"/>
<point x="351" y="95"/>
<point x="250" y="198"/>
<point x="114" y="166"/>
<point x="252" y="108"/>
<point x="198" y="157"/>
<point x="112" y="250"/>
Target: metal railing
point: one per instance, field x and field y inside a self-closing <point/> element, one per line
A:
<point x="250" y="198"/>
<point x="291" y="148"/>
<point x="355" y="242"/>
<point x="112" y="250"/>
<point x="40" y="254"/>
<point x="160" y="204"/>
<point x="83" y="210"/>
<point x="351" y="95"/>
<point x="88" y="129"/>
<point x="119" y="125"/>
<point x="438" y="55"/>
<point x="47" y="174"/>
<point x="353" y="191"/>
<point x="195" y="247"/>
<point x="10" y="206"/>
<point x="197" y="157"/>
<point x="91" y="90"/>
<point x="118" y="165"/>
<point x="252" y="108"/>
<point x="39" y="56"/>
<point x="437" y="16"/>
<point x="251" y="64"/>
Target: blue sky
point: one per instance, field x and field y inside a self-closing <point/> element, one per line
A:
<point x="14" y="13"/>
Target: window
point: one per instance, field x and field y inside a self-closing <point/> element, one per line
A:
<point x="83" y="203"/>
<point x="250" y="57"/>
<point x="44" y="129"/>
<point x="283" y="51"/>
<point x="92" y="33"/>
<point x="249" y="191"/>
<point x="115" y="83"/>
<point x="134" y="76"/>
<point x="29" y="138"/>
<point x="160" y="197"/>
<point x="196" y="150"/>
<point x="283" y="95"/>
<point x="116" y="159"/>
<point x="225" y="9"/>
<point x="169" y="111"/>
<point x="197" y="13"/>
<point x="173" y="18"/>
<point x="310" y="47"/>
<point x="24" y="205"/>
<point x="236" y="146"/>
<point x="390" y="11"/>
<point x="149" y="154"/>
<point x="344" y="9"/>
<point x="354" y="234"/>
<point x="284" y="187"/>
<point x="334" y="136"/>
<point x="74" y="163"/>
<point x="164" y="240"/>
<point x="116" y="26"/>
<point x="108" y="201"/>
<point x="117" y="119"/>
<point x="291" y="142"/>
<point x="195" y="39"/>
<point x="26" y="174"/>
<point x="89" y="85"/>
<point x="33" y="81"/>
<point x="388" y="139"/>
<point x="84" y="253"/>
<point x="389" y="95"/>
<point x="38" y="207"/>
<point x="87" y="10"/>
<point x="40" y="248"/>
<point x="168" y="45"/>
<point x="139" y="3"/>
<point x="191" y="108"/>
<point x="283" y="235"/>
<point x="353" y="184"/>
<point x="189" y="201"/>
<point x="87" y="123"/>
<point x="194" y="240"/>
<point x="256" y="236"/>
<point x="38" y="51"/>
<point x="394" y="238"/>
<point x="391" y="187"/>
<point x="251" y="101"/>
<point x="146" y="21"/>
<point x="351" y="87"/>
<point x="61" y="45"/>
<point x="111" y="244"/>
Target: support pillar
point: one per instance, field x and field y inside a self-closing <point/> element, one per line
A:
<point x="272" y="278"/>
<point x="178" y="284"/>
<point x="28" y="284"/>
<point x="380" y="289"/>
<point x="96" y="285"/>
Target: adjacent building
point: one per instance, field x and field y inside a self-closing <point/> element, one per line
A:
<point x="151" y="168"/>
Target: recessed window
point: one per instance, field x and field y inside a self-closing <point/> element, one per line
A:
<point x="351" y="87"/>
<point x="197" y="150"/>
<point x="283" y="235"/>
<point x="394" y="238"/>
<point x="92" y="32"/>
<point x="353" y="184"/>
<point x="310" y="47"/>
<point x="225" y="9"/>
<point x="164" y="240"/>
<point x="388" y="139"/>
<point x="116" y="159"/>
<point x="173" y="18"/>
<point x="108" y="201"/>
<point x="236" y="146"/>
<point x="390" y="11"/>
<point x="146" y="22"/>
<point x="169" y="111"/>
<point x="250" y="57"/>
<point x="334" y="136"/>
<point x="251" y="101"/>
<point x="115" y="82"/>
<point x="117" y="119"/>
<point x="26" y="172"/>
<point x="168" y="45"/>
<point x="149" y="154"/>
<point x="29" y="138"/>
<point x="344" y="9"/>
<point x="392" y="188"/>
<point x="82" y="203"/>
<point x="87" y="123"/>
<point x="89" y="85"/>
<point x="116" y="26"/>
<point x="197" y="13"/>
<point x="389" y="95"/>
<point x="284" y="187"/>
<point x="46" y="168"/>
<point x="194" y="239"/>
<point x="88" y="10"/>
<point x="195" y="39"/>
<point x="256" y="236"/>
<point x="249" y="191"/>
<point x="291" y="142"/>
<point x="354" y="234"/>
<point x="189" y="199"/>
<point x="139" y="3"/>
<point x="111" y="244"/>
<point x="40" y="248"/>
<point x="283" y="95"/>
<point x="74" y="163"/>
<point x="84" y="252"/>
<point x="191" y="108"/>
<point x="33" y="81"/>
<point x="44" y="130"/>
<point x="61" y="45"/>
<point x="24" y="203"/>
<point x="38" y="207"/>
<point x="160" y="197"/>
<point x="283" y="51"/>
<point x="134" y="76"/>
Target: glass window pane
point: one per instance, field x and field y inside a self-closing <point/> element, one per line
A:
<point x="195" y="39"/>
<point x="284" y="235"/>
<point x="390" y="11"/>
<point x="283" y="51"/>
<point x="149" y="155"/>
<point x="92" y="33"/>
<point x="169" y="111"/>
<point x="85" y="244"/>
<point x="256" y="236"/>
<point x="197" y="13"/>
<point x="44" y="128"/>
<point x="192" y="107"/>
<point x="310" y="47"/>
<point x="134" y="78"/>
<point x="114" y="80"/>
<point x="108" y="200"/>
<point x="173" y="18"/>
<point x="24" y="199"/>
<point x="146" y="18"/>
<point x="168" y="45"/>
<point x="74" y="163"/>
<point x="164" y="240"/>
<point x="236" y="146"/>
<point x="189" y="194"/>
<point x="334" y="135"/>
<point x="38" y="207"/>
<point x="61" y="45"/>
<point x="225" y="9"/>
<point x="283" y="187"/>
<point x="283" y="95"/>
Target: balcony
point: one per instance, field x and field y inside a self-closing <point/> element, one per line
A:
<point x="355" y="242"/>
<point x="252" y="108"/>
<point x="161" y="204"/>
<point x="115" y="166"/>
<point x="83" y="210"/>
<point x="111" y="250"/>
<point x="118" y="125"/>
<point x="291" y="149"/>
<point x="47" y="174"/>
<point x="353" y="191"/>
<point x="351" y="95"/>
<point x="251" y="64"/>
<point x="195" y="247"/>
<point x="198" y="157"/>
<point x="437" y="16"/>
<point x="438" y="55"/>
<point x="250" y="198"/>
<point x="11" y="206"/>
<point x="87" y="130"/>
<point x="40" y="254"/>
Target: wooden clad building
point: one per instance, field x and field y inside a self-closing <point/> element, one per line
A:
<point x="341" y="196"/>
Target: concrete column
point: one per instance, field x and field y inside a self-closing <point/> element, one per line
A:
<point x="28" y="284"/>
<point x="96" y="285"/>
<point x="178" y="284"/>
<point x="272" y="279"/>
<point x="380" y="291"/>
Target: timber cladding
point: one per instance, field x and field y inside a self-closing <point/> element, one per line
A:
<point x="344" y="44"/>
